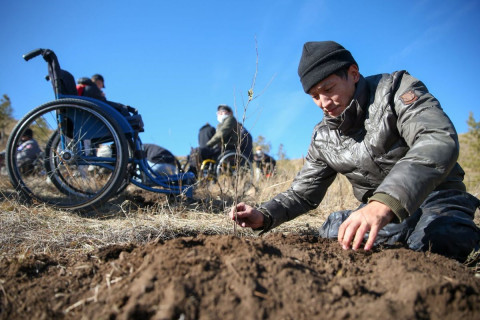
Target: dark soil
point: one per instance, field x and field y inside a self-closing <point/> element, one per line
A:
<point x="226" y="277"/>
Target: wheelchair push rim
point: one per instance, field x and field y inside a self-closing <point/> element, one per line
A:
<point x="234" y="174"/>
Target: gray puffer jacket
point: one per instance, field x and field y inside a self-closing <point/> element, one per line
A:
<point x="394" y="144"/>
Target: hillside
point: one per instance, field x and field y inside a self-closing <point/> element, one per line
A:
<point x="469" y="159"/>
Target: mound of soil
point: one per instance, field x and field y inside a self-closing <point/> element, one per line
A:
<point x="225" y="277"/>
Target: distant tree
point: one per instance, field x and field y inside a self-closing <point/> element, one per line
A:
<point x="262" y="142"/>
<point x="474" y="131"/>
<point x="281" y="152"/>
<point x="5" y="114"/>
<point x="473" y="126"/>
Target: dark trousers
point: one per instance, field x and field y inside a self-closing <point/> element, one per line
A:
<point x="443" y="224"/>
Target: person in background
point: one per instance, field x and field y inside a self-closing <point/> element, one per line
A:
<point x="27" y="152"/>
<point x="87" y="87"/>
<point x="226" y="134"/>
<point x="224" y="139"/>
<point x="98" y="80"/>
<point x="161" y="160"/>
<point x="388" y="135"/>
<point x="246" y="143"/>
<point x="92" y="87"/>
<point x="264" y="163"/>
<point x="205" y="133"/>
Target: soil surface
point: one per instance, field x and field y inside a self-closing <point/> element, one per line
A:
<point x="278" y="276"/>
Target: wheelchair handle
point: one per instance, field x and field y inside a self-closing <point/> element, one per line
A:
<point x="32" y="54"/>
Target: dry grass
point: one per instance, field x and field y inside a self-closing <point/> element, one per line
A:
<point x="41" y="229"/>
<point x="469" y="159"/>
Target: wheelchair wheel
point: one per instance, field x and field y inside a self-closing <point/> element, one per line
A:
<point x="235" y="174"/>
<point x="74" y="175"/>
<point x="61" y="182"/>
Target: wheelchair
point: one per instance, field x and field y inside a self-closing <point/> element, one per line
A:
<point x="231" y="171"/>
<point x="71" y="131"/>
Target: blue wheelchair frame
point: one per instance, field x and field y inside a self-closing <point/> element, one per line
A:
<point x="182" y="182"/>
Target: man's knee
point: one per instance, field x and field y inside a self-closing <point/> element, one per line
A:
<point x="454" y="237"/>
<point x="446" y="226"/>
<point x="329" y="229"/>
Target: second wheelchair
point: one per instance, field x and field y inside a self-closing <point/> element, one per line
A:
<point x="231" y="172"/>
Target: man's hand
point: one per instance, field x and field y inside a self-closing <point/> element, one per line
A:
<point x="373" y="217"/>
<point x="247" y="216"/>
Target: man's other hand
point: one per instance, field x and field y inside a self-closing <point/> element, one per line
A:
<point x="371" y="218"/>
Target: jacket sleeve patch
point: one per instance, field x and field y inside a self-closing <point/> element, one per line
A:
<point x="409" y="97"/>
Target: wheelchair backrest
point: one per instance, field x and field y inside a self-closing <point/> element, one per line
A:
<point x="62" y="81"/>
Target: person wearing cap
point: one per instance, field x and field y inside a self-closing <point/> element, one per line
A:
<point x="92" y="87"/>
<point x="224" y="139"/>
<point x="229" y="133"/>
<point x="28" y="151"/>
<point x="98" y="80"/>
<point x="388" y="135"/>
<point x="88" y="88"/>
<point x="265" y="164"/>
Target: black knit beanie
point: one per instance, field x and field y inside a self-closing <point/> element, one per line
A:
<point x="321" y="59"/>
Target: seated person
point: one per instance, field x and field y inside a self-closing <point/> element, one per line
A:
<point x="92" y="88"/>
<point x="160" y="159"/>
<point x="225" y="138"/>
<point x="246" y="143"/>
<point x="265" y="164"/>
<point x="27" y="152"/>
<point x="86" y="87"/>
<point x="103" y="151"/>
<point x="99" y="82"/>
<point x="205" y="134"/>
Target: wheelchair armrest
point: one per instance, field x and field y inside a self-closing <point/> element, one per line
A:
<point x="207" y="162"/>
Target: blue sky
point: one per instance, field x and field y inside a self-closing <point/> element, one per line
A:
<point x="176" y="61"/>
